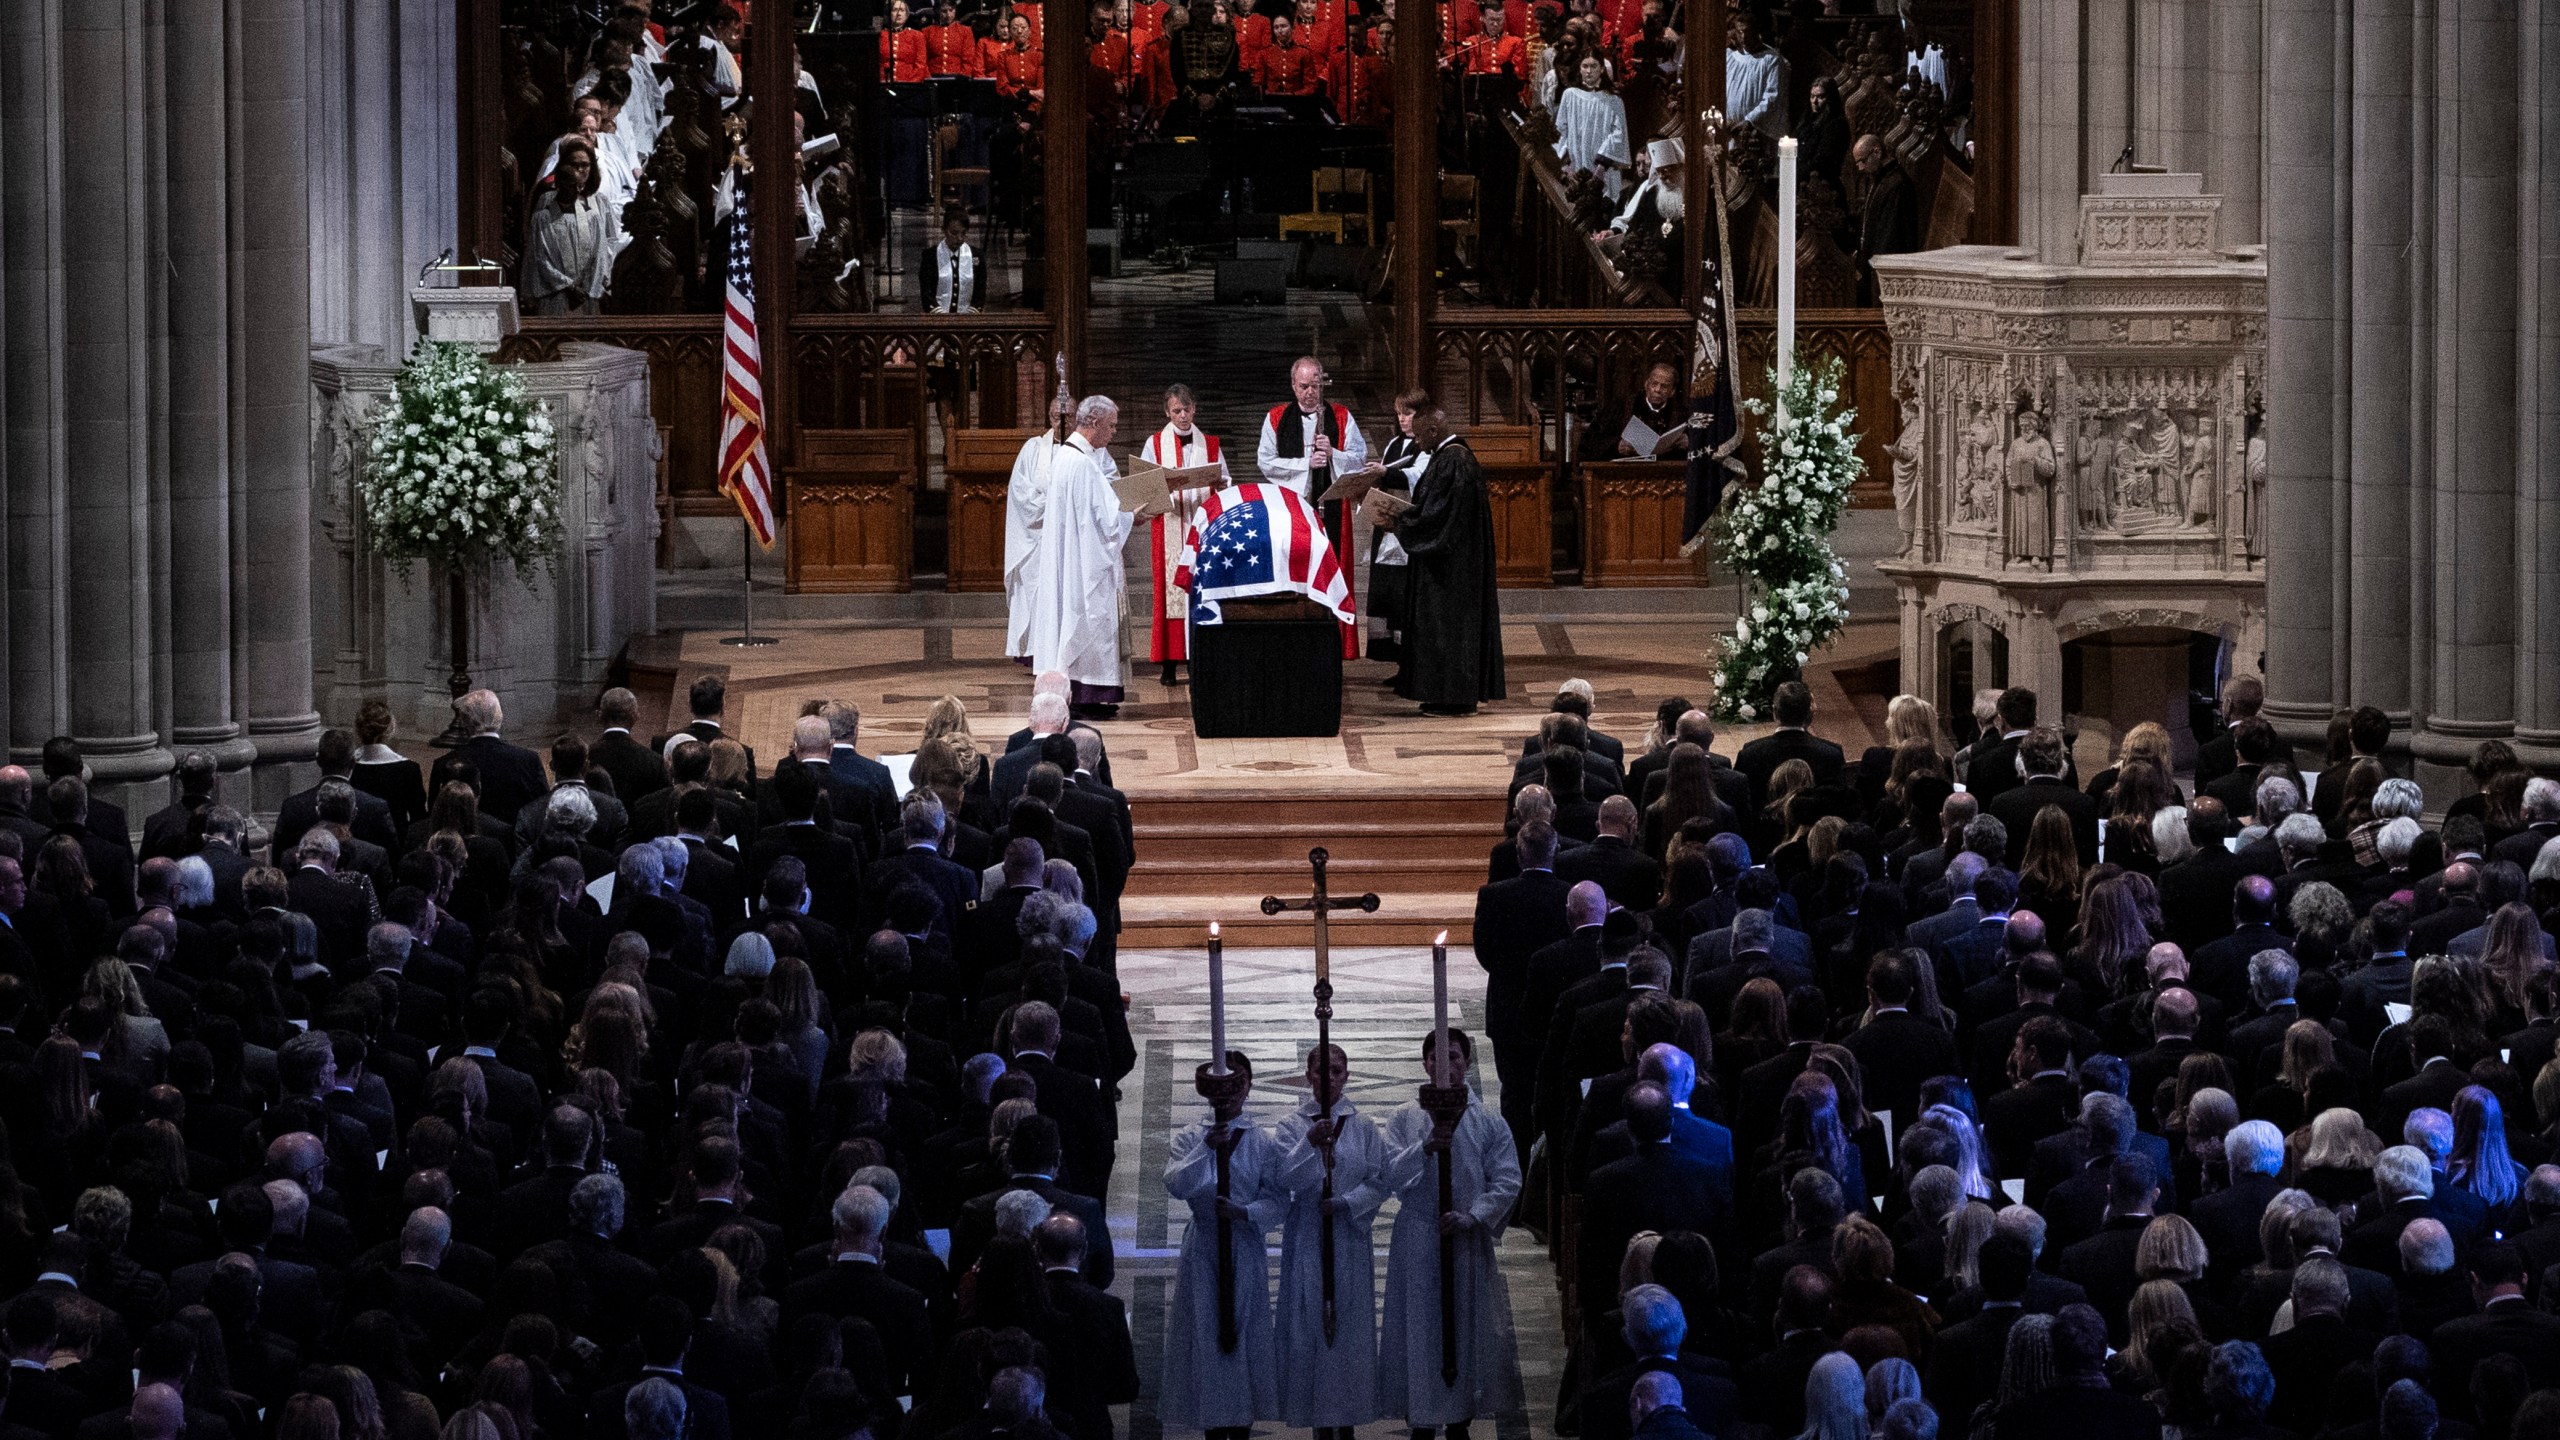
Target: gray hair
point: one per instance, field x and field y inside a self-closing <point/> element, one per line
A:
<point x="318" y="845"/>
<point x="2319" y="1286"/>
<point x="2253" y="1147"/>
<point x="1652" y="1320"/>
<point x="882" y="1179"/>
<point x="844" y="721"/>
<point x="2277" y="798"/>
<point x="2024" y="1222"/>
<point x="1039" y="914"/>
<point x="1753" y="931"/>
<point x="480" y="711"/>
<point x="2541" y="799"/>
<point x="654" y="1410"/>
<point x="2169" y="835"/>
<point x="2397" y="838"/>
<point x="2300" y="836"/>
<point x="1048" y="712"/>
<point x="920" y="819"/>
<point x="673" y="860"/>
<point x="2319" y="905"/>
<point x="1019" y="1212"/>
<point x="2272" y="976"/>
<point x="194" y="888"/>
<point x="387" y="945"/>
<point x="2402" y="1171"/>
<point x="641" y="871"/>
<point x="1088" y="747"/>
<point x="1076" y="927"/>
<point x="2398" y="799"/>
<point x="750" y="956"/>
<point x="862" y="1212"/>
<point x="2546" y="861"/>
<point x="596" y="1205"/>
<point x="570" y="811"/>
<point x="2431" y="1130"/>
<point x="2238" y="1384"/>
<point x="1095" y="410"/>
<point x="2426" y="1247"/>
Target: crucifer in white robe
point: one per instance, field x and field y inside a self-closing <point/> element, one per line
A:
<point x="1484" y="1179"/>
<point x="1075" y="583"/>
<point x="1022" y="506"/>
<point x="1205" y="1388"/>
<point x="1591" y="126"/>
<point x="1330" y="1386"/>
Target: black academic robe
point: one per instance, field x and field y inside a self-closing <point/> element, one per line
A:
<point x="1453" y="637"/>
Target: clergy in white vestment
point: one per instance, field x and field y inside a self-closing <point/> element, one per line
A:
<point x="1180" y="445"/>
<point x="1329" y="1387"/>
<point x="1024" y="495"/>
<point x="1222" y="1392"/>
<point x="1306" y="445"/>
<point x="1591" y="127"/>
<point x="1484" y="1179"/>
<point x="1075" y="584"/>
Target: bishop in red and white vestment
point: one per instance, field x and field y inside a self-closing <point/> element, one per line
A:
<point x="1289" y="434"/>
<point x="1177" y="449"/>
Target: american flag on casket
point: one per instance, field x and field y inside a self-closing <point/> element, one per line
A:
<point x="1253" y="540"/>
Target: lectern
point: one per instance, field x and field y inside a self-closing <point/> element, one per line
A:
<point x="481" y="316"/>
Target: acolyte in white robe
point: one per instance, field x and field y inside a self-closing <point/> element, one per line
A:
<point x="1591" y="126"/>
<point x="1334" y="1385"/>
<point x="1205" y="1388"/>
<point x="1484" y="1180"/>
<point x="1755" y="89"/>
<point x="1076" y="582"/>
<point x="1022" y="506"/>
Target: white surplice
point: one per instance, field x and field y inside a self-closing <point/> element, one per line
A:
<point x="1330" y="1385"/>
<point x="1022" y="506"/>
<point x="1291" y="470"/>
<point x="1076" y="583"/>
<point x="1591" y="126"/>
<point x="1484" y="1179"/>
<point x="1205" y="1388"/>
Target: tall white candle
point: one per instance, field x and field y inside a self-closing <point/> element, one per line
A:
<point x="1440" y="1008"/>
<point x="1217" y="1002"/>
<point x="1786" y="261"/>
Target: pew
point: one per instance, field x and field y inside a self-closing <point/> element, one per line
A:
<point x="849" y="512"/>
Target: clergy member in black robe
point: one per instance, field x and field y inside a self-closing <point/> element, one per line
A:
<point x="1453" y="633"/>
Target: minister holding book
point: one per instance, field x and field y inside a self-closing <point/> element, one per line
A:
<point x="1307" y="445"/>
<point x="1075" y="582"/>
<point x="1180" y="445"/>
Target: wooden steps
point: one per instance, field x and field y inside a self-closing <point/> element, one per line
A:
<point x="1214" y="856"/>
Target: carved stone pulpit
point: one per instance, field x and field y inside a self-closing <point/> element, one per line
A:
<point x="2080" y="452"/>
<point x="481" y="316"/>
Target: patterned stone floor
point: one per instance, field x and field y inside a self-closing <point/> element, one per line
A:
<point x="1382" y="1006"/>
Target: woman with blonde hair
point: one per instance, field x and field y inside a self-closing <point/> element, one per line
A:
<point x="2147" y="741"/>
<point x="2161" y="1325"/>
<point x="1776" y="824"/>
<point x="947" y="720"/>
<point x="136" y="1039"/>
<point x="2338" y="1161"/>
<point x="1910" y="723"/>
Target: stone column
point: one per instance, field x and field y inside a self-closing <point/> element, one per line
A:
<point x="2303" y="312"/>
<point x="273" y="576"/>
<point x="34" y="465"/>
<point x="2050" y="173"/>
<point x="2473" y="655"/>
<point x="2538" y="393"/>
<point x="2379" y="455"/>
<point x="2234" y="164"/>
<point x="112" y="209"/>
<point x="202" y="443"/>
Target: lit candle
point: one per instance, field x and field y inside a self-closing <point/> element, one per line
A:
<point x="1786" y="261"/>
<point x="1217" y="1002"/>
<point x="1440" y="1006"/>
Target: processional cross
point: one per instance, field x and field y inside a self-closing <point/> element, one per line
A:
<point x="1321" y="906"/>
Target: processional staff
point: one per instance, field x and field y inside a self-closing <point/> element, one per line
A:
<point x="1323" y="1133"/>
<point x="1221" y="1085"/>
<point x="1444" y="1099"/>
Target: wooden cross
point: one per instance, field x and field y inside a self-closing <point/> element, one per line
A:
<point x="1321" y="905"/>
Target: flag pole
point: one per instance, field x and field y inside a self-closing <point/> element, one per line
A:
<point x="747" y="583"/>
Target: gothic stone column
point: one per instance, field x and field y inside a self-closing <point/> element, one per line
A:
<point x="32" y="319"/>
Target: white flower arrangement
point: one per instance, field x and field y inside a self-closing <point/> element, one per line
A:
<point x="460" y="465"/>
<point x="1778" y="535"/>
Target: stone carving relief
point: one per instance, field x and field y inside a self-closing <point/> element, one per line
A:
<point x="2027" y="499"/>
<point x="2144" y="450"/>
<point x="2253" y="482"/>
<point x="1908" y="451"/>
<point x="1977" y="425"/>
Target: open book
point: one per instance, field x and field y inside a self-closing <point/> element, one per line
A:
<point x="1142" y="490"/>
<point x="1384" y="507"/>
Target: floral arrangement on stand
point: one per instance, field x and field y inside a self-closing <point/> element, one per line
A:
<point x="1777" y="536"/>
<point x="460" y="466"/>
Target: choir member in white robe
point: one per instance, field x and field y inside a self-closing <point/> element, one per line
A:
<point x="1076" y="582"/>
<point x="1755" y="78"/>
<point x="1180" y="445"/>
<point x="1485" y="1178"/>
<point x="1223" y="1392"/>
<point x="1329" y="1388"/>
<point x="1024" y="495"/>
<point x="1591" y="127"/>
<point x="569" y="259"/>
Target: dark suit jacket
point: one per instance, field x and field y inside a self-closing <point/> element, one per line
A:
<point x="977" y="1225"/>
<point x="2014" y="1119"/>
<point x="954" y="887"/>
<point x="2506" y="1327"/>
<point x="1092" y="1365"/>
<point x="335" y="907"/>
<point x="1632" y="879"/>
<point x="835" y="869"/>
<point x="1761" y="758"/>
<point x="2195" y="899"/>
<point x="301" y="811"/>
<point x="1707" y="1395"/>
<point x="1514" y="919"/>
<point x="1898" y="1051"/>
<point x="706" y="1412"/>
<point x="2228" y="1220"/>
<point x="1964" y="1364"/>
<point x="510" y="775"/>
<point x="1662" y="1188"/>
<point x="2094" y="1412"/>
<point x="1993" y="771"/>
<point x="851" y="1289"/>
<point x="635" y="769"/>
<point x="2018" y="806"/>
<point x="2103" y="1266"/>
<point x="1087" y="1125"/>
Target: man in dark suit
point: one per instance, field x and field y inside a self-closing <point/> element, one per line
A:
<point x="167" y="832"/>
<point x="1631" y="878"/>
<point x="1087" y="1126"/>
<point x="1104" y="823"/>
<point x="17" y="810"/>
<point x="919" y="861"/>
<point x="2035" y="987"/>
<point x="442" y="1314"/>
<point x="853" y="1285"/>
<point x="1092" y="1365"/>
<point x="2403" y="1186"/>
<point x="110" y="857"/>
<point x="2242" y="695"/>
<point x="855" y="771"/>
<point x="2435" y="1085"/>
<point x="1755" y="945"/>
<point x="300" y="811"/>
<point x="1032" y="1156"/>
<point x="1968" y="956"/>
<point x="708" y="696"/>
<point x="635" y="769"/>
<point x="2309" y="1358"/>
<point x="510" y="775"/>
<point x="2103" y="1264"/>
<point x="2368" y="731"/>
<point x="1773" y="1383"/>
<point x="1653" y="1326"/>
<point x="535" y="1210"/>
<point x="2043" y="1101"/>
<point x="333" y="905"/>
<point x="62" y="760"/>
<point x="1561" y="1067"/>
<point x="1994" y="769"/>
<point x="1645" y="777"/>
<point x="1559" y="965"/>
<point x="569" y="765"/>
<point x="1514" y="920"/>
<point x="1962" y="913"/>
<point x="2458" y="909"/>
<point x="2507" y="1324"/>
<point x="1814" y="1212"/>
<point x="1661" y="1187"/>
<point x="2175" y="1017"/>
<point x="2255" y="744"/>
<point x="1897" y="1048"/>
<point x="1562" y="731"/>
<point x="2541" y="825"/>
<point x="832" y="867"/>
<point x="1792" y="706"/>
<point x="665" y="1334"/>
<point x="1048" y="717"/>
<point x="290" y="1300"/>
<point x="2221" y="968"/>
<point x="2228" y="1218"/>
<point x="2196" y="891"/>
<point x="1964" y="1365"/>
<point x="38" y="1397"/>
<point x="2041" y="754"/>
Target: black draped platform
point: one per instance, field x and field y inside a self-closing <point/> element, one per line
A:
<point x="1274" y="667"/>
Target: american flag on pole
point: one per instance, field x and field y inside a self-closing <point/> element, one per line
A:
<point x="1256" y="539"/>
<point x="744" y="475"/>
